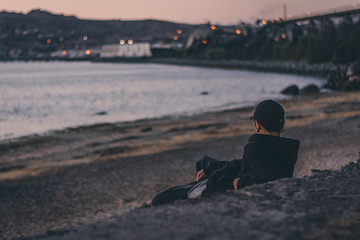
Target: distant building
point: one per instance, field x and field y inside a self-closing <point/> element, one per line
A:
<point x="162" y="45"/>
<point x="75" y="54"/>
<point x="135" y="50"/>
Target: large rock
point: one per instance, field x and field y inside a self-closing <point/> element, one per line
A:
<point x="335" y="81"/>
<point x="353" y="78"/>
<point x="310" y="89"/>
<point x="353" y="70"/>
<point x="353" y="85"/>
<point x="291" y="90"/>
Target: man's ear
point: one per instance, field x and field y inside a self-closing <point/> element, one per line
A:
<point x="257" y="126"/>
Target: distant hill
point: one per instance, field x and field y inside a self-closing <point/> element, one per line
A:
<point x="31" y="30"/>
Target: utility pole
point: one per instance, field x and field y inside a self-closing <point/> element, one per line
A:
<point x="285" y="11"/>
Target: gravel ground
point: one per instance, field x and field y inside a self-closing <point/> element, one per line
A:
<point x="323" y="206"/>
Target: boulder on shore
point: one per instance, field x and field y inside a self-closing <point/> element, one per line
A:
<point x="353" y="78"/>
<point x="353" y="85"/>
<point x="348" y="80"/>
<point x="291" y="90"/>
<point x="310" y="89"/>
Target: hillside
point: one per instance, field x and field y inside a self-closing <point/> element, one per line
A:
<point x="32" y="30"/>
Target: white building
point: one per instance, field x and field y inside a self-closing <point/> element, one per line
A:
<point x="135" y="50"/>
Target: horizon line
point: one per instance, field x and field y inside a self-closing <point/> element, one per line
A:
<point x="110" y="19"/>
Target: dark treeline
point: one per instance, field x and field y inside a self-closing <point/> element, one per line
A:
<point x="328" y="42"/>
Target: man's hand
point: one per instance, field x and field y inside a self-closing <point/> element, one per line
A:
<point x="200" y="175"/>
<point x="236" y="182"/>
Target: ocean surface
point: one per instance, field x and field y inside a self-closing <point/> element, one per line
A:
<point x="37" y="97"/>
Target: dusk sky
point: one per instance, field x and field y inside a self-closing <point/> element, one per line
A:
<point x="186" y="11"/>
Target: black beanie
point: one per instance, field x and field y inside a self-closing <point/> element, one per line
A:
<point x="270" y="115"/>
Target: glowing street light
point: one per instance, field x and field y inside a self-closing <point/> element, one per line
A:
<point x="85" y="37"/>
<point x="130" y="41"/>
<point x="63" y="52"/>
<point x="179" y="31"/>
<point x="238" y="31"/>
<point x="122" y="42"/>
<point x="204" y="41"/>
<point x="48" y="41"/>
<point x="87" y="52"/>
<point x="283" y="36"/>
<point x="276" y="39"/>
<point x="213" y="27"/>
<point x="264" y="22"/>
<point x="175" y="37"/>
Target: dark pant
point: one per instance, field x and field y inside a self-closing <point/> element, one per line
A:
<point x="222" y="179"/>
<point x="180" y="192"/>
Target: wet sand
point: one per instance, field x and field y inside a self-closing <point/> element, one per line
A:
<point x="88" y="174"/>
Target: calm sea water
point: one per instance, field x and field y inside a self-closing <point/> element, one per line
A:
<point x="37" y="97"/>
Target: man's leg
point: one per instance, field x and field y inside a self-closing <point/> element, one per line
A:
<point x="172" y="194"/>
<point x="180" y="192"/>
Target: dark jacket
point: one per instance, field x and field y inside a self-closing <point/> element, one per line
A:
<point x="266" y="158"/>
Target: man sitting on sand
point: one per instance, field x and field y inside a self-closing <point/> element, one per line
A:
<point x="266" y="157"/>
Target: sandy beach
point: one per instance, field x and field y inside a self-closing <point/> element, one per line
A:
<point x="94" y="173"/>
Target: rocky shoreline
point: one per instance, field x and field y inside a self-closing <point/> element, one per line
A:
<point x="339" y="77"/>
